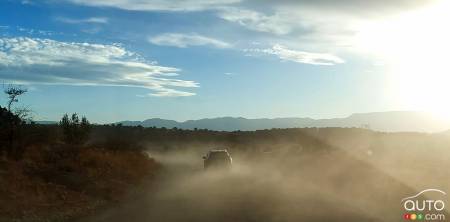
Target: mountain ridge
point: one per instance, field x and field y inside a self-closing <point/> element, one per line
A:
<point x="391" y="121"/>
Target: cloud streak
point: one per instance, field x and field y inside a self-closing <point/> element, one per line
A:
<point x="181" y="40"/>
<point x="94" y="20"/>
<point x="299" y="56"/>
<point x="159" y="5"/>
<point x="257" y="21"/>
<point x="46" y="61"/>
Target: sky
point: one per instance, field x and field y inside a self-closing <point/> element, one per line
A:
<point x="114" y="60"/>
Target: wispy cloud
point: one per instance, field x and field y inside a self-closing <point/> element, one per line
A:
<point x="257" y="21"/>
<point x="184" y="40"/>
<point x="320" y="25"/>
<point x="158" y="5"/>
<point x="299" y="56"/>
<point x="45" y="61"/>
<point x="97" y="20"/>
<point x="36" y="31"/>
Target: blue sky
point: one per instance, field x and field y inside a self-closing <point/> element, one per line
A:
<point x="132" y="60"/>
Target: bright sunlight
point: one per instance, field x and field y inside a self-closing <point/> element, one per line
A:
<point x="414" y="46"/>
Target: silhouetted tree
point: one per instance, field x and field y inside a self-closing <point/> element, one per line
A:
<point x="75" y="131"/>
<point x="85" y="129"/>
<point x="13" y="92"/>
<point x="12" y="122"/>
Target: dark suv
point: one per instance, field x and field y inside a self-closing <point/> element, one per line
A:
<point x="219" y="159"/>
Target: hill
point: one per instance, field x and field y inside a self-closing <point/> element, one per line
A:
<point x="395" y="121"/>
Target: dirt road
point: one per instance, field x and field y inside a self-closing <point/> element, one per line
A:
<point x="185" y="192"/>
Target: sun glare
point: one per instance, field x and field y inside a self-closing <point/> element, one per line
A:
<point x="414" y="46"/>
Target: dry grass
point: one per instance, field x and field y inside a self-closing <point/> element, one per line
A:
<point x="60" y="183"/>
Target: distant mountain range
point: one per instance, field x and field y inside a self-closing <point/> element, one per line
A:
<point x="395" y="121"/>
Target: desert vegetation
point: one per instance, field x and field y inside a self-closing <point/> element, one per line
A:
<point x="53" y="172"/>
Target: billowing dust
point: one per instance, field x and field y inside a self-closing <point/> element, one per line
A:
<point x="329" y="185"/>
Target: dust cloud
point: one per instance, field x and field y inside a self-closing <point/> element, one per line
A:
<point x="328" y="185"/>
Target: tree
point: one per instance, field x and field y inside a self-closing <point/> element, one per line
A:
<point x="85" y="128"/>
<point x="75" y="132"/>
<point x="65" y="124"/>
<point x="13" y="92"/>
<point x="14" y="121"/>
<point x="84" y="122"/>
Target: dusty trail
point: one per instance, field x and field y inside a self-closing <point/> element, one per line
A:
<point x="184" y="192"/>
